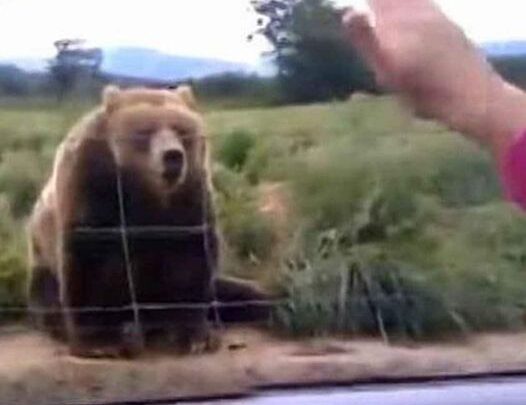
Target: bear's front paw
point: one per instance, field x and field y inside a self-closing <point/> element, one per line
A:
<point x="96" y="352"/>
<point x="195" y="340"/>
<point x="127" y="343"/>
<point x="132" y="340"/>
<point x="207" y="344"/>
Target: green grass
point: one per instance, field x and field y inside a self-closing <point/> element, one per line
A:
<point x="396" y="225"/>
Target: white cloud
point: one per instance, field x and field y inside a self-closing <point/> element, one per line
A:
<point x="191" y="27"/>
<point x="489" y="20"/>
<point x="213" y="28"/>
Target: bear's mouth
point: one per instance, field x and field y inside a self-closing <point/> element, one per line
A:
<point x="171" y="176"/>
<point x="173" y="162"/>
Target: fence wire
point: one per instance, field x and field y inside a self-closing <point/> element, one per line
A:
<point x="362" y="299"/>
<point x="142" y="231"/>
<point x="123" y="232"/>
<point x="148" y="307"/>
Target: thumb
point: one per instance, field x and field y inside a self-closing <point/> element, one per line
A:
<point x="359" y="29"/>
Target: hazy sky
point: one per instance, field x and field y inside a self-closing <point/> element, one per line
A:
<point x="212" y="28"/>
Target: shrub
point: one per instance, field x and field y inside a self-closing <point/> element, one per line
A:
<point x="360" y="291"/>
<point x="416" y="223"/>
<point x="234" y="150"/>
<point x="465" y="178"/>
<point x="426" y="280"/>
<point x="21" y="176"/>
<point x="336" y="184"/>
<point x="246" y="231"/>
<point x="249" y="234"/>
<point x="12" y="278"/>
<point x="258" y="161"/>
<point x="12" y="261"/>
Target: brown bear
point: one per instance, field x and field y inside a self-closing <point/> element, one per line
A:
<point x="120" y="222"/>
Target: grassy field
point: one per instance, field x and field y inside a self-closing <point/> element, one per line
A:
<point x="387" y="224"/>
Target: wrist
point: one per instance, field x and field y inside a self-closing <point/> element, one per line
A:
<point x="491" y="111"/>
<point x="472" y="108"/>
<point x="506" y="116"/>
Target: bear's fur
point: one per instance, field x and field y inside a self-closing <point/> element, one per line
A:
<point x="155" y="142"/>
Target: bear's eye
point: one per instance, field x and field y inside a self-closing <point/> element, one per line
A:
<point x="179" y="130"/>
<point x="183" y="133"/>
<point x="186" y="138"/>
<point x="141" y="138"/>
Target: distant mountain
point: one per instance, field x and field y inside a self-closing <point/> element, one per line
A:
<point x="505" y="49"/>
<point x="151" y="64"/>
<point x="145" y="63"/>
<point x="29" y="64"/>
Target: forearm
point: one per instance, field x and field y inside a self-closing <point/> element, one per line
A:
<point x="506" y="118"/>
<point x="492" y="114"/>
<point x="498" y="120"/>
<point x="435" y="67"/>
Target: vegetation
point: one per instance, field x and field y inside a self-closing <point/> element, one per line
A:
<point x="397" y="226"/>
<point x="72" y="65"/>
<point x="512" y="68"/>
<point x="314" y="60"/>
<point x="237" y="90"/>
<point x="394" y="226"/>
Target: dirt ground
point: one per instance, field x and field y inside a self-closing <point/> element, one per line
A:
<point x="35" y="370"/>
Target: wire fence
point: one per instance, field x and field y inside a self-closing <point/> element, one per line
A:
<point x="386" y="298"/>
<point x="142" y="231"/>
<point x="375" y="303"/>
<point x="147" y="307"/>
<point x="378" y="306"/>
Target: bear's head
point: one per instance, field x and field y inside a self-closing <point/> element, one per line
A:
<point x="158" y="135"/>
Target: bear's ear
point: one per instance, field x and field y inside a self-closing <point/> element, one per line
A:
<point x="186" y="94"/>
<point x="111" y="97"/>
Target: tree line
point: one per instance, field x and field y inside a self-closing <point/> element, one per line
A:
<point x="313" y="60"/>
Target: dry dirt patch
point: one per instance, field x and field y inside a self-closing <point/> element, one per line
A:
<point x="34" y="369"/>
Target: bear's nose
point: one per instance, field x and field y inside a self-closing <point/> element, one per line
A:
<point x="173" y="162"/>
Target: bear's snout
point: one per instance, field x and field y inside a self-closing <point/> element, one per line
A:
<point x="173" y="162"/>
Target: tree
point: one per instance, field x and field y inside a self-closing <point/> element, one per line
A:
<point x="72" y="63"/>
<point x="314" y="60"/>
<point x="512" y="68"/>
<point x="274" y="25"/>
<point x="13" y="81"/>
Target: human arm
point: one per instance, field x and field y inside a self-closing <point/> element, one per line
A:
<point x="419" y="53"/>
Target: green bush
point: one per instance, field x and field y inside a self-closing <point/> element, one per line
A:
<point x="345" y="288"/>
<point x="416" y="214"/>
<point x="235" y="148"/>
<point x="246" y="231"/>
<point x="258" y="160"/>
<point x="338" y="184"/>
<point x="22" y="174"/>
<point x="250" y="235"/>
<point x="229" y="185"/>
<point x="466" y="178"/>
<point x="12" y="260"/>
<point x="12" y="278"/>
<point x="435" y="274"/>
